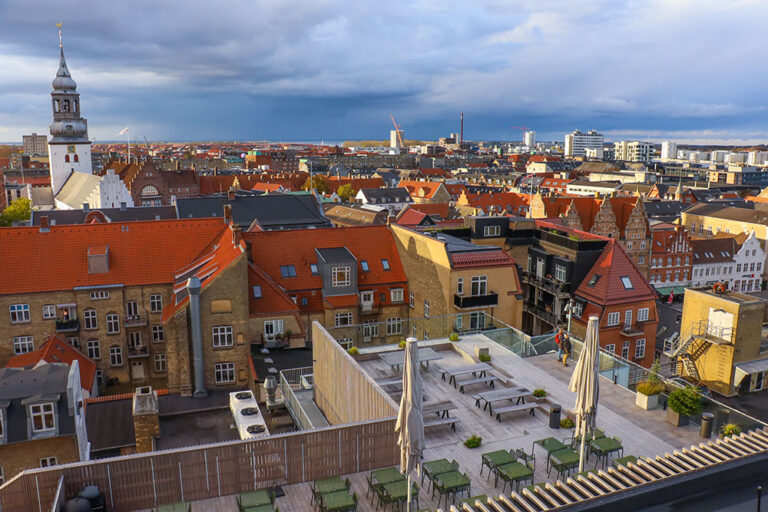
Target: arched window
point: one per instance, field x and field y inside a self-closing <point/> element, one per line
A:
<point x="66" y="158"/>
<point x="66" y="105"/>
<point x="149" y="190"/>
<point x="56" y="105"/>
<point x="76" y="159"/>
<point x="75" y="104"/>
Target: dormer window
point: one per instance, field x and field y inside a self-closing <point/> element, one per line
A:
<point x="43" y="417"/>
<point x="340" y="276"/>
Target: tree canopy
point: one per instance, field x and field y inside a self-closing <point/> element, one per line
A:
<point x="318" y="183"/>
<point x="18" y="210"/>
<point x="345" y="192"/>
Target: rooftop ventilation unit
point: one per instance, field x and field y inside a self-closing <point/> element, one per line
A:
<point x="249" y="420"/>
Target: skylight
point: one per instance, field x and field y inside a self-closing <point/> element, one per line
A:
<point x="257" y="292"/>
<point x="594" y="280"/>
<point x="627" y="282"/>
<point x="313" y="269"/>
<point x="364" y="264"/>
<point x="287" y="271"/>
<point x="385" y="263"/>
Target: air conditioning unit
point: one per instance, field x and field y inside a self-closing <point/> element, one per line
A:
<point x="249" y="419"/>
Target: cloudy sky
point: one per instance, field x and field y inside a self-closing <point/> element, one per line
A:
<point x="335" y="69"/>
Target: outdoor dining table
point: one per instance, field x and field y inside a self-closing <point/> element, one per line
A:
<point x="330" y="485"/>
<point x="453" y="482"/>
<point x="386" y="476"/>
<point x="514" y="472"/>
<point x="260" y="508"/>
<point x="498" y="395"/>
<point x="396" y="359"/>
<point x="255" y="498"/>
<point x="398" y="491"/>
<point x="550" y="444"/>
<point x="433" y="468"/>
<point x="495" y="459"/>
<point x="565" y="459"/>
<point x="339" y="500"/>
<point x="605" y="446"/>
<point x="456" y="371"/>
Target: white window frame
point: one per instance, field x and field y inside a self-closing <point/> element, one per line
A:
<point x="113" y="323"/>
<point x="479" y="286"/>
<point x="459" y="286"/>
<point x="46" y="411"/>
<point x="426" y="308"/>
<point x="625" y="349"/>
<point x="640" y="348"/>
<point x="342" y="320"/>
<point x="611" y="347"/>
<point x="396" y="295"/>
<point x="156" y="303"/>
<point x="161" y="363"/>
<point x="47" y="462"/>
<point x="492" y="230"/>
<point x="90" y="320"/>
<point x="99" y="295"/>
<point x="275" y="326"/>
<point x="411" y="300"/>
<point x="394" y="326"/>
<point x="613" y="319"/>
<point x="115" y="355"/>
<point x="49" y="312"/>
<point x="222" y="336"/>
<point x="370" y="329"/>
<point x="94" y="349"/>
<point x="132" y="309"/>
<point x="134" y="339"/>
<point x="158" y="334"/>
<point x="560" y="272"/>
<point x="224" y="373"/>
<point x="642" y="314"/>
<point x="23" y="344"/>
<point x="19" y="313"/>
<point x="341" y="276"/>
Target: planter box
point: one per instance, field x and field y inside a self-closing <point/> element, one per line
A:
<point x="646" y="402"/>
<point x="481" y="350"/>
<point x="676" y="419"/>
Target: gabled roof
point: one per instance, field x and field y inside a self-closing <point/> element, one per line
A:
<point x="78" y="187"/>
<point x="614" y="279"/>
<point x="56" y="350"/>
<point x="410" y="217"/>
<point x="59" y="217"/>
<point x="425" y="189"/>
<point x="386" y="195"/>
<point x="273" y="298"/>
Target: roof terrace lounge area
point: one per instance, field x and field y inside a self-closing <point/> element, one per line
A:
<point x="358" y="396"/>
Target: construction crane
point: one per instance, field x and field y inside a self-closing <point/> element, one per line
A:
<point x="398" y="131"/>
<point x="523" y="128"/>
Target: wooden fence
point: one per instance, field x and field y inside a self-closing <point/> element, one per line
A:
<point x="143" y="481"/>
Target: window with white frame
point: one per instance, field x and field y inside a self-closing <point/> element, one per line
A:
<point x="396" y="295"/>
<point x="477" y="320"/>
<point x="411" y="300"/>
<point x="340" y="276"/>
<point x="479" y="285"/>
<point x="458" y="322"/>
<point x="578" y="309"/>
<point x="89" y="319"/>
<point x="272" y="328"/>
<point x="74" y="341"/>
<point x="370" y="329"/>
<point x="155" y="303"/>
<point x="43" y="417"/>
<point x="491" y="230"/>
<point x="158" y="334"/>
<point x="394" y="326"/>
<point x="161" y="363"/>
<point x="49" y="311"/>
<point x="625" y="350"/>
<point x="613" y="319"/>
<point x="224" y="373"/>
<point x="642" y="315"/>
<point x="426" y="334"/>
<point x="426" y="308"/>
<point x="94" y="349"/>
<point x="113" y="323"/>
<point x="23" y="344"/>
<point x="346" y="343"/>
<point x="47" y="462"/>
<point x="99" y="295"/>
<point x="610" y="348"/>
<point x="640" y="348"/>
<point x="19" y="313"/>
<point x="459" y="286"/>
<point x="342" y="319"/>
<point x="134" y="339"/>
<point x="116" y="356"/>
<point x="132" y="309"/>
<point x="560" y="272"/>
<point x="222" y="336"/>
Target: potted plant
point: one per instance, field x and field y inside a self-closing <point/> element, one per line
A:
<point x="484" y="357"/>
<point x="730" y="430"/>
<point x="474" y="441"/>
<point x="401" y="344"/>
<point x="453" y="337"/>
<point x="683" y="403"/>
<point x="539" y="394"/>
<point x="648" y="391"/>
<point x="353" y="351"/>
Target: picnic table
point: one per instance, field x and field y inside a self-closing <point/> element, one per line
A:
<point x="498" y="395"/>
<point x="514" y="473"/>
<point x="441" y="408"/>
<point x="339" y="500"/>
<point x="386" y="476"/>
<point x="456" y="371"/>
<point x="395" y="360"/>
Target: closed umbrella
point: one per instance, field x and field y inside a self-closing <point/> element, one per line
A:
<point x="584" y="382"/>
<point x="410" y="418"/>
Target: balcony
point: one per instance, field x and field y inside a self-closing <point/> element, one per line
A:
<point x="71" y="325"/>
<point x="489" y="300"/>
<point x="369" y="308"/>
<point x="632" y="330"/>
<point x="540" y="311"/>
<point x="549" y="284"/>
<point x="138" y="351"/>
<point x="138" y="320"/>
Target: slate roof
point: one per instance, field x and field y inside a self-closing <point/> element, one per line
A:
<point x="713" y="250"/>
<point x="59" y="217"/>
<point x="270" y="211"/>
<point x="663" y="209"/>
<point x="386" y="195"/>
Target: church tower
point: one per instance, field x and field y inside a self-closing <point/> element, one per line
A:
<point x="69" y="149"/>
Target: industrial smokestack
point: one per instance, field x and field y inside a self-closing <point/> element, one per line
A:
<point x="193" y="288"/>
<point x="461" y="132"/>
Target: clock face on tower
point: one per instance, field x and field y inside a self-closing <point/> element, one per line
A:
<point x="70" y="149"/>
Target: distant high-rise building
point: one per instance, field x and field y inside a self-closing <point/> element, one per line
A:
<point x="578" y="141"/>
<point x="35" y="145"/>
<point x="633" y="151"/>
<point x="668" y="150"/>
<point x="530" y="138"/>
<point x="394" y="140"/>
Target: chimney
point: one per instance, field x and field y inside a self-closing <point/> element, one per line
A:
<point x="123" y="206"/>
<point x="44" y="225"/>
<point x="86" y="207"/>
<point x="227" y="214"/>
<point x="193" y="287"/>
<point x="270" y="386"/>
<point x="231" y="194"/>
<point x="146" y="419"/>
<point x="178" y="165"/>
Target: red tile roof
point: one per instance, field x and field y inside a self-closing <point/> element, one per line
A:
<point x="56" y="350"/>
<point x="434" y="209"/>
<point x="140" y="253"/>
<point x="480" y="259"/>
<point x="216" y="184"/>
<point x="411" y="217"/>
<point x="273" y="298"/>
<point x="424" y="189"/>
<point x="342" y="301"/>
<point x="335" y="182"/>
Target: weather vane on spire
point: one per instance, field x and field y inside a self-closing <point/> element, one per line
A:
<point x="58" y="25"/>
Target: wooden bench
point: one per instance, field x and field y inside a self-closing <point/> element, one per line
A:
<point x="489" y="379"/>
<point x="531" y="407"/>
<point x="441" y="421"/>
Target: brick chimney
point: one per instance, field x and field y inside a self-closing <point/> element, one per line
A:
<point x="146" y="419"/>
<point x="44" y="224"/>
<point x="227" y="214"/>
<point x="231" y="194"/>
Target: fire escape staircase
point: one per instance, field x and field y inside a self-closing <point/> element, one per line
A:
<point x="702" y="336"/>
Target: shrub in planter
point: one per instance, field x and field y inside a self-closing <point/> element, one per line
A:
<point x="648" y="391"/>
<point x="484" y="358"/>
<point x="353" y="351"/>
<point x="683" y="403"/>
<point x="730" y="429"/>
<point x="473" y="441"/>
<point x="539" y="393"/>
<point x="453" y="337"/>
<point x="566" y="423"/>
<point x="401" y="344"/>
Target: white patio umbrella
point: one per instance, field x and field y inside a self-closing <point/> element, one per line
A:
<point x="410" y="418"/>
<point x="584" y="382"/>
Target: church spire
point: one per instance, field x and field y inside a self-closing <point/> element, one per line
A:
<point x="63" y="81"/>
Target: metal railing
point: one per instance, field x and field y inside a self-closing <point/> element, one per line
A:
<point x="289" y="379"/>
<point x="488" y="300"/>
